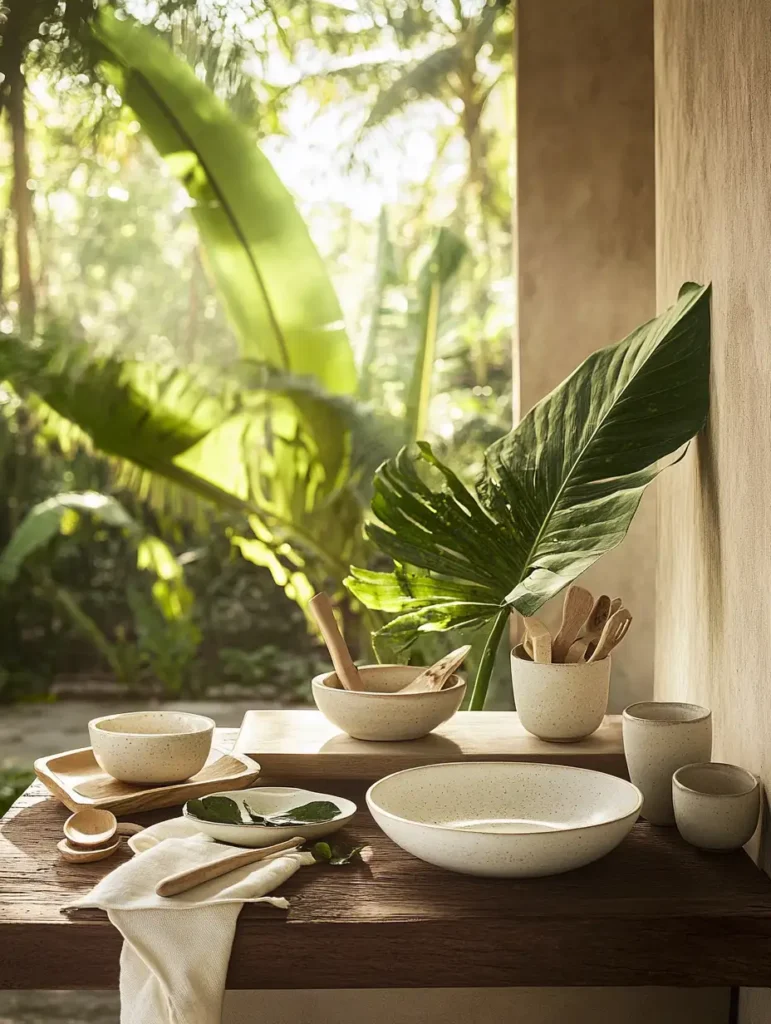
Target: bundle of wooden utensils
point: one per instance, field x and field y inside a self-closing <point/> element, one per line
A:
<point x="589" y="631"/>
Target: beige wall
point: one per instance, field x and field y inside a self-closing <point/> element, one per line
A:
<point x="713" y="96"/>
<point x="585" y="216"/>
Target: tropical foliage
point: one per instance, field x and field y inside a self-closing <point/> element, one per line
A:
<point x="555" y="493"/>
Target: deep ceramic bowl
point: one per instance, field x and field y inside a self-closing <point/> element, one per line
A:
<point x="380" y="712"/>
<point x="271" y="800"/>
<point x="506" y="819"/>
<point x="151" y="747"/>
<point x="716" y="805"/>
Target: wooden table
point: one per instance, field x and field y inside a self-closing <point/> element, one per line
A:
<point x="653" y="912"/>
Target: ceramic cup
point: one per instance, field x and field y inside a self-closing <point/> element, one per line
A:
<point x="659" y="738"/>
<point x="560" y="703"/>
<point x="716" y="805"/>
<point x="151" y="747"/>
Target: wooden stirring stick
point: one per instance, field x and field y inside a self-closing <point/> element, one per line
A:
<point x="324" y="614"/>
<point x="188" y="879"/>
<point x="578" y="605"/>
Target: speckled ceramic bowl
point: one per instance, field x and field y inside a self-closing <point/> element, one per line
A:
<point x="560" y="703"/>
<point x="151" y="747"/>
<point x="507" y="819"/>
<point x="716" y="805"/>
<point x="273" y="800"/>
<point x="380" y="712"/>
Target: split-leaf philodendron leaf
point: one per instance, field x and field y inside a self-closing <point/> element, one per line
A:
<point x="555" y="493"/>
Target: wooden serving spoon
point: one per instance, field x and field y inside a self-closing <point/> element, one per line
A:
<point x="93" y="828"/>
<point x="597" y="618"/>
<point x="435" y="677"/>
<point x="540" y="640"/>
<point x="613" y="633"/>
<point x="324" y="614"/>
<point x="188" y="879"/>
<point x="578" y="605"/>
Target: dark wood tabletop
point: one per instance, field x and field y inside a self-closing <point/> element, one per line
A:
<point x="653" y="912"/>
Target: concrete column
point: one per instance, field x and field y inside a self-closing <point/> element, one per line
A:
<point x="585" y="217"/>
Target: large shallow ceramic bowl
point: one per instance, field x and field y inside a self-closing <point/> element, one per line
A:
<point x="505" y="819"/>
<point x="380" y="712"/>
<point x="273" y="800"/>
<point x="151" y="747"/>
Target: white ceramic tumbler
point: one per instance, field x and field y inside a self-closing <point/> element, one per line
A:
<point x="659" y="738"/>
<point x="716" y="805"/>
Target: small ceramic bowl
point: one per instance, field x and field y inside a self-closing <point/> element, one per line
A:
<point x="716" y="805"/>
<point x="380" y="712"/>
<point x="272" y="800"/>
<point x="560" y="703"/>
<point x="151" y="747"/>
<point x="506" y="819"/>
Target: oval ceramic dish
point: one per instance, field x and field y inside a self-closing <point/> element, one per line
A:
<point x="380" y="712"/>
<point x="273" y="800"/>
<point x="505" y="819"/>
<point x="151" y="747"/>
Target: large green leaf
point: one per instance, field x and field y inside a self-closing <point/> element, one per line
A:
<point x="273" y="282"/>
<point x="556" y="492"/>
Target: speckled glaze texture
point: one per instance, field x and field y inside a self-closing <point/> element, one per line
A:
<point x="272" y="800"/>
<point x="555" y="817"/>
<point x="716" y="805"/>
<point x="151" y="747"/>
<point x="560" y="703"/>
<point x="379" y="712"/>
<point x="660" y="737"/>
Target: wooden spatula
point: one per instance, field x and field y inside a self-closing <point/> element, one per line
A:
<point x="597" y="618"/>
<point x="578" y="605"/>
<point x="324" y="614"/>
<point x="435" y="677"/>
<point x="614" y="632"/>
<point x="188" y="879"/>
<point x="540" y="640"/>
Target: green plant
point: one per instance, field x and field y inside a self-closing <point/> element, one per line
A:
<point x="167" y="642"/>
<point x="13" y="782"/>
<point x="555" y="494"/>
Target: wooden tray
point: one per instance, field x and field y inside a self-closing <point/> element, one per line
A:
<point x="303" y="745"/>
<point x="76" y="779"/>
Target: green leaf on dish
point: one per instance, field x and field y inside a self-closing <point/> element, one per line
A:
<point x="219" y="809"/>
<point x="306" y="814"/>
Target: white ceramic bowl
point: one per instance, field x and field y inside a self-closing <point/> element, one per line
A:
<point x="716" y="805"/>
<point x="151" y="747"/>
<point x="379" y="712"/>
<point x="270" y="800"/>
<point x="560" y="703"/>
<point x="506" y="819"/>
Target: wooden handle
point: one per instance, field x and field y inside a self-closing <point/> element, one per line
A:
<point x="324" y="614"/>
<point x="189" y="879"/>
<point x="540" y="638"/>
<point x="128" y="828"/>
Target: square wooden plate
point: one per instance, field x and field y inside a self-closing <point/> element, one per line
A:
<point x="76" y="779"/>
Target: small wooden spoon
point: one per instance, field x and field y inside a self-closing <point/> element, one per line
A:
<point x="435" y="677"/>
<point x="188" y="879"/>
<point x="578" y="605"/>
<point x="540" y="640"/>
<point x="597" y="618"/>
<point x="76" y="856"/>
<point x="614" y="632"/>
<point x="94" y="827"/>
<point x="324" y="614"/>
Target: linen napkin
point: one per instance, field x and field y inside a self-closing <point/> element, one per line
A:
<point x="176" y="950"/>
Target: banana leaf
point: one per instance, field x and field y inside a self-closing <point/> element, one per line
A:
<point x="555" y="493"/>
<point x="272" y="280"/>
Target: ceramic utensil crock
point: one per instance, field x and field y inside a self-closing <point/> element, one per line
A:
<point x="660" y="737"/>
<point x="380" y="712"/>
<point x="561" y="703"/>
<point x="151" y="747"/>
<point x="716" y="805"/>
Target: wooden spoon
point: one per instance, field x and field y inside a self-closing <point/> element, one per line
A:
<point x="92" y="828"/>
<point x="188" y="879"/>
<point x="76" y="856"/>
<point x="324" y="614"/>
<point x="615" y="604"/>
<point x="597" y="618"/>
<point x="577" y="650"/>
<point x="614" y="632"/>
<point x="578" y="605"/>
<point x="540" y="640"/>
<point x="435" y="677"/>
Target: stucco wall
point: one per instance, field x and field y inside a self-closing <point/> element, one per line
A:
<point x="713" y="96"/>
<point x="585" y="212"/>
